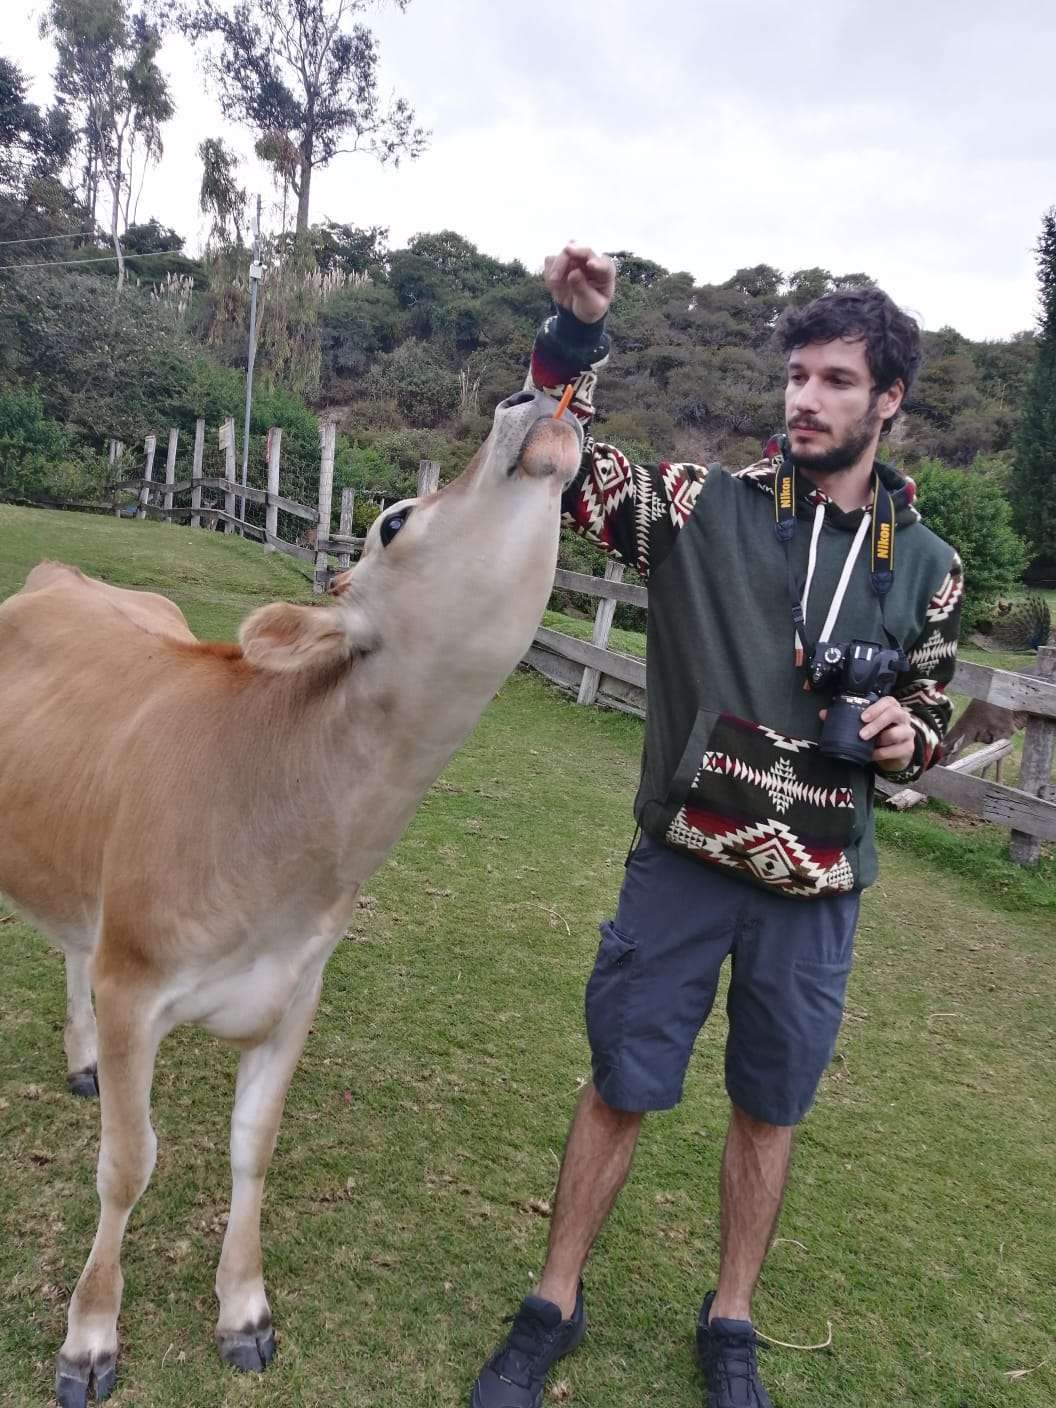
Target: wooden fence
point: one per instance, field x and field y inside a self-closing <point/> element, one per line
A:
<point x="590" y="670"/>
<point x="593" y="672"/>
<point x="156" y="498"/>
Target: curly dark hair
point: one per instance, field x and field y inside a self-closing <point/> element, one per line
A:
<point x="891" y="337"/>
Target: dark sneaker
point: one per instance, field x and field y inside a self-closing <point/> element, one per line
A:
<point x="726" y="1354"/>
<point x="515" y="1374"/>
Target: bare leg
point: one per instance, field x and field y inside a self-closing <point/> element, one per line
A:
<point x="79" y="1034"/>
<point x="597" y="1160"/>
<point x="244" y="1333"/>
<point x="127" y="1148"/>
<point x="754" y="1170"/>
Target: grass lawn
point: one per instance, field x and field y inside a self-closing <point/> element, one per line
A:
<point x="406" y="1207"/>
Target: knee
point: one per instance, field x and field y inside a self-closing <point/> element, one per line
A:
<point x="124" y="1171"/>
<point x="759" y="1131"/>
<point x="602" y="1110"/>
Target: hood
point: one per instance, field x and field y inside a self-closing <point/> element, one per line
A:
<point x="902" y="489"/>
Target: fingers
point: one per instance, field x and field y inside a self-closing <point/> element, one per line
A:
<point x="882" y="716"/>
<point x="596" y="271"/>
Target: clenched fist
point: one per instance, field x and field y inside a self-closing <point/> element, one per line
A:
<point x="581" y="280"/>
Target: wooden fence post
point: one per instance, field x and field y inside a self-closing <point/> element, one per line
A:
<point x="348" y="501"/>
<point x="271" y="512"/>
<point x="328" y="444"/>
<point x="170" y="470"/>
<point x="428" y="477"/>
<point x="150" y="444"/>
<point x="588" y="687"/>
<point x="196" y="472"/>
<point x="1035" y="768"/>
<point x="116" y="450"/>
<point x="227" y="444"/>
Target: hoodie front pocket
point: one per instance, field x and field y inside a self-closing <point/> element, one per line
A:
<point x="749" y="798"/>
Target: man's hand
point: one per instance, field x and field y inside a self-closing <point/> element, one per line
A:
<point x="889" y="724"/>
<point x="581" y="280"/>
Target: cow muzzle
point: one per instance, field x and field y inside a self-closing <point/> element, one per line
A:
<point x="532" y="443"/>
<point x="551" y="447"/>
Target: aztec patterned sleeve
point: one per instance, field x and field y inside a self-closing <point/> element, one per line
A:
<point x="632" y="512"/>
<point x="932" y="661"/>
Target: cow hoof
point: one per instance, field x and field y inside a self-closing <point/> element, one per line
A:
<point x="84" y="1083"/>
<point x="74" y="1381"/>
<point x="249" y="1351"/>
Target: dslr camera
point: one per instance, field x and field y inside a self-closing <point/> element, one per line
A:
<point x="859" y="672"/>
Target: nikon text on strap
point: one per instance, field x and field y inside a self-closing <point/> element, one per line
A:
<point x="881" y="550"/>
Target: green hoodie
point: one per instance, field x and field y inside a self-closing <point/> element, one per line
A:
<point x="731" y="772"/>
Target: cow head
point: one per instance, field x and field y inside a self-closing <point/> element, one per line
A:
<point x="450" y="588"/>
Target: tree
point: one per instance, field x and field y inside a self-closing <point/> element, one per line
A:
<point x="1034" y="476"/>
<point x="633" y="269"/>
<point x="303" y="76"/>
<point x="972" y="515"/>
<point x="220" y="196"/>
<point x="107" y="72"/>
<point x="32" y="143"/>
<point x="152" y="238"/>
<point x="343" y="249"/>
<point x="804" y="285"/>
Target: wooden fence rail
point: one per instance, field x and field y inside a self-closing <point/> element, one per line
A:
<point x="155" y="499"/>
<point x="593" y="671"/>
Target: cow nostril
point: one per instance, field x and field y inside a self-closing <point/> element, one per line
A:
<point x="521" y="398"/>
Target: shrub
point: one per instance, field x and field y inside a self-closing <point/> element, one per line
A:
<point x="971" y="514"/>
<point x="425" y="391"/>
<point x="38" y="460"/>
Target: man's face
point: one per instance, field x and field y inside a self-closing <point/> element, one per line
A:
<point x="832" y="413"/>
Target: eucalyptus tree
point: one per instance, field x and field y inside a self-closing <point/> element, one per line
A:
<point x="108" y="76"/>
<point x="302" y="74"/>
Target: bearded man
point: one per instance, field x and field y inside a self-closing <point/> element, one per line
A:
<point x="809" y="568"/>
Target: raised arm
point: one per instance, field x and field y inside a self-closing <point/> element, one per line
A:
<point x="634" y="512"/>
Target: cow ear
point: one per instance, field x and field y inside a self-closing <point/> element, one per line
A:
<point x="283" y="638"/>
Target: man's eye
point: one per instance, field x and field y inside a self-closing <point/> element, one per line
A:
<point x="391" y="526"/>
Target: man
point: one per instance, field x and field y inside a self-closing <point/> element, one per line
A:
<point x="756" y="842"/>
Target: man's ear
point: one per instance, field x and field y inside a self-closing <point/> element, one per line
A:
<point x="890" y="400"/>
<point x="282" y="638"/>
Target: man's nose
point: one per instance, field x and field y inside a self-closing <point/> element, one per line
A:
<point x="806" y="397"/>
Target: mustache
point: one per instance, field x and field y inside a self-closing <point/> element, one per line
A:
<point x="805" y="423"/>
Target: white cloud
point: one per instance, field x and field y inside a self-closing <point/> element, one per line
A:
<point x="914" y="141"/>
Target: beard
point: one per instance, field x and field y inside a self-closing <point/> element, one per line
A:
<point x="846" y="453"/>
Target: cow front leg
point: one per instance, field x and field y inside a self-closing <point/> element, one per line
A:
<point x="244" y="1333"/>
<point x="127" y="1148"/>
<point x="79" y="1034"/>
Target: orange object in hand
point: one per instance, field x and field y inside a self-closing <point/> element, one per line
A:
<point x="565" y="401"/>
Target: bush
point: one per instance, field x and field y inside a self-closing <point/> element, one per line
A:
<point x="970" y="512"/>
<point x="37" y="457"/>
<point x="425" y="391"/>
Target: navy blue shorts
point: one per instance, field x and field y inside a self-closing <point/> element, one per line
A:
<point x="657" y="972"/>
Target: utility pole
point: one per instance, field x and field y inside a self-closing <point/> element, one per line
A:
<point x="255" y="271"/>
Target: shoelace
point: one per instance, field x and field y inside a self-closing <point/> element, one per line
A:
<point x="735" y="1359"/>
<point x="527" y="1340"/>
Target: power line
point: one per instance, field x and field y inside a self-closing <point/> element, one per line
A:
<point x="56" y="263"/>
<point x="39" y="239"/>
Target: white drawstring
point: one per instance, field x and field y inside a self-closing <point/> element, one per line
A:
<point x="812" y="562"/>
<point x="845" y="579"/>
<point x="845" y="576"/>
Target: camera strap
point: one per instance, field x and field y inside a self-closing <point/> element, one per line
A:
<point x="881" y="521"/>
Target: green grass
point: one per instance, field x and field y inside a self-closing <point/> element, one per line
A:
<point x="426" y="1117"/>
<point x="215" y="579"/>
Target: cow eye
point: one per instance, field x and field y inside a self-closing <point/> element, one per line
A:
<point x="391" y="526"/>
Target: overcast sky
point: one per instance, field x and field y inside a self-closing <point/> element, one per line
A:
<point x="913" y="139"/>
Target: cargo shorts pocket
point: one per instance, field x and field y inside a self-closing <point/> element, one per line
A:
<point x="607" y="996"/>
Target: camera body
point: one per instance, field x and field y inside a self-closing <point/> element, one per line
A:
<point x="859" y="672"/>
